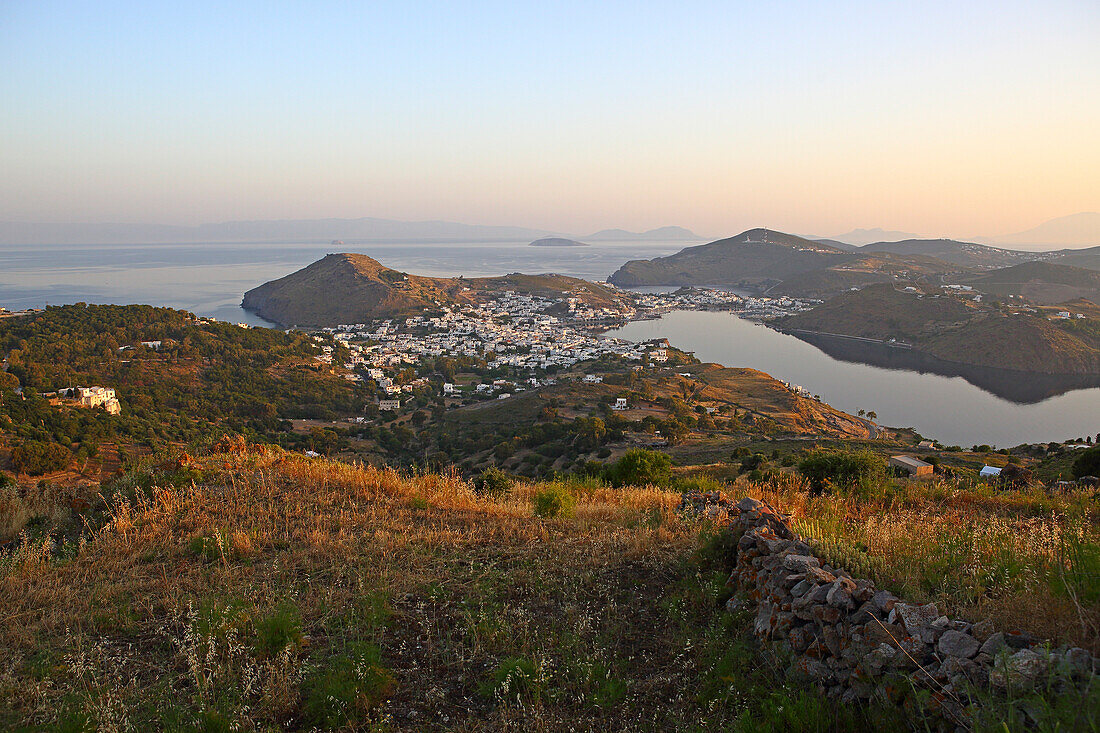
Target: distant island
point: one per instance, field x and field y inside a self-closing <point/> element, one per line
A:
<point x="557" y="242"/>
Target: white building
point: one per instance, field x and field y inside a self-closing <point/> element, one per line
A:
<point x="389" y="405"/>
<point x="620" y="404"/>
<point x="592" y="379"/>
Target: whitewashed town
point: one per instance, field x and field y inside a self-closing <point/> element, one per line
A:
<point x="535" y="340"/>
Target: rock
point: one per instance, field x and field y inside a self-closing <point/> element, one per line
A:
<point x="801" y="637"/>
<point x="812" y="670"/>
<point x="884" y="601"/>
<point x="748" y="504"/>
<point x="800" y="563"/>
<point x="1080" y="662"/>
<point x="735" y="603"/>
<point x="839" y="596"/>
<point x="957" y="644"/>
<point x="801" y="588"/>
<point x="994" y="644"/>
<point x="915" y="619"/>
<point x="879" y="659"/>
<point x="1022" y="669"/>
<point x="981" y="631"/>
<point x="1018" y="639"/>
<point x="865" y="613"/>
<point x="820" y="576"/>
<point x="819" y="594"/>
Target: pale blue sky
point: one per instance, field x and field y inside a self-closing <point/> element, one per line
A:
<point x="958" y="118"/>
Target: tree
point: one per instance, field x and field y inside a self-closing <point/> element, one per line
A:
<point x="872" y="415"/>
<point x="824" y="469"/>
<point x="861" y="413"/>
<point x="34" y="457"/>
<point x="638" y="467"/>
<point x="1087" y="463"/>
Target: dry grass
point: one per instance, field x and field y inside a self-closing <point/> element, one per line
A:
<point x="284" y="592"/>
<point x="1021" y="559"/>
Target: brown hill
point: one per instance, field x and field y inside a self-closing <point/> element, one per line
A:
<point x="966" y="254"/>
<point x="751" y="259"/>
<point x="956" y="330"/>
<point x="1041" y="282"/>
<point x="782" y="264"/>
<point x="354" y="288"/>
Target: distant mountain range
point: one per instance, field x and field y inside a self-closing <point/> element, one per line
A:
<point x="1076" y="230"/>
<point x="303" y="230"/>
<point x="662" y="234"/>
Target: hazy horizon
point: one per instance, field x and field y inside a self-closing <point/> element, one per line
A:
<point x="961" y="120"/>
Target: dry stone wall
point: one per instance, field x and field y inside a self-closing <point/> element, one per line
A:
<point x="859" y="642"/>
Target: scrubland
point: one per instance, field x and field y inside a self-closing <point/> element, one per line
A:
<point x="251" y="589"/>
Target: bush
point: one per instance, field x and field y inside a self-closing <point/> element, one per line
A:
<point x="638" y="467"/>
<point x="846" y="470"/>
<point x="35" y="457"/>
<point x="554" y="501"/>
<point x="346" y="688"/>
<point x="492" y="482"/>
<point x="278" y="630"/>
<point x="515" y="677"/>
<point x="1087" y="464"/>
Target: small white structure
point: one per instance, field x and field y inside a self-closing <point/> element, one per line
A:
<point x="154" y="345"/>
<point x="98" y="397"/>
<point x="926" y="444"/>
<point x="592" y="379"/>
<point x="313" y="454"/>
<point x="389" y="405"/>
<point x="620" y="404"/>
<point x="659" y="355"/>
<point x="448" y="388"/>
<point x="989" y="472"/>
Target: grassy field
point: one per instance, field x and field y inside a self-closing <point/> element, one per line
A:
<point x="252" y="589"/>
<point x="261" y="591"/>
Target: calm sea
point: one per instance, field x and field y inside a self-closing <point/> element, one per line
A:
<point x="210" y="278"/>
<point x="953" y="405"/>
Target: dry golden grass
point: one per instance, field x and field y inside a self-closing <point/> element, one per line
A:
<point x="159" y="618"/>
<point x="1020" y="559"/>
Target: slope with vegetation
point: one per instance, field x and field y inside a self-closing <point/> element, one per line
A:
<point x="957" y="330"/>
<point x="247" y="588"/>
<point x="206" y="376"/>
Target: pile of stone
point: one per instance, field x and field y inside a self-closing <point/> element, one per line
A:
<point x="857" y="642"/>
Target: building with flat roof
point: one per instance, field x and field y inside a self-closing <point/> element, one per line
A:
<point x="915" y="466"/>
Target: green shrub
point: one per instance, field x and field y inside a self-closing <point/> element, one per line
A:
<point x="513" y="679"/>
<point x="418" y="502"/>
<point x="838" y="469"/>
<point x="639" y="467"/>
<point x="34" y="457"/>
<point x="1087" y="463"/>
<point x="345" y="688"/>
<point x="279" y="629"/>
<point x="492" y="482"/>
<point x="554" y="501"/>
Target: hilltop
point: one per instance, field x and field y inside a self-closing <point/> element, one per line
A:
<point x="783" y="264"/>
<point x="965" y="254"/>
<point x="957" y="330"/>
<point x="752" y="258"/>
<point x="355" y="288"/>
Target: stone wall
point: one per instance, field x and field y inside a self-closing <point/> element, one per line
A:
<point x="858" y="642"/>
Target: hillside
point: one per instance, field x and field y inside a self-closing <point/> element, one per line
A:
<point x="355" y="288"/>
<point x="784" y="264"/>
<point x="1075" y="230"/>
<point x="1044" y="283"/>
<point x="956" y="330"/>
<point x="965" y="254"/>
<point x="752" y="258"/>
<point x="1088" y="258"/>
<point x="246" y="588"/>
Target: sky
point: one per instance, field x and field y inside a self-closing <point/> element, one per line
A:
<point x="942" y="118"/>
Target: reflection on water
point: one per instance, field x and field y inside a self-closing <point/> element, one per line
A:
<point x="1006" y="409"/>
<point x="1020" y="387"/>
